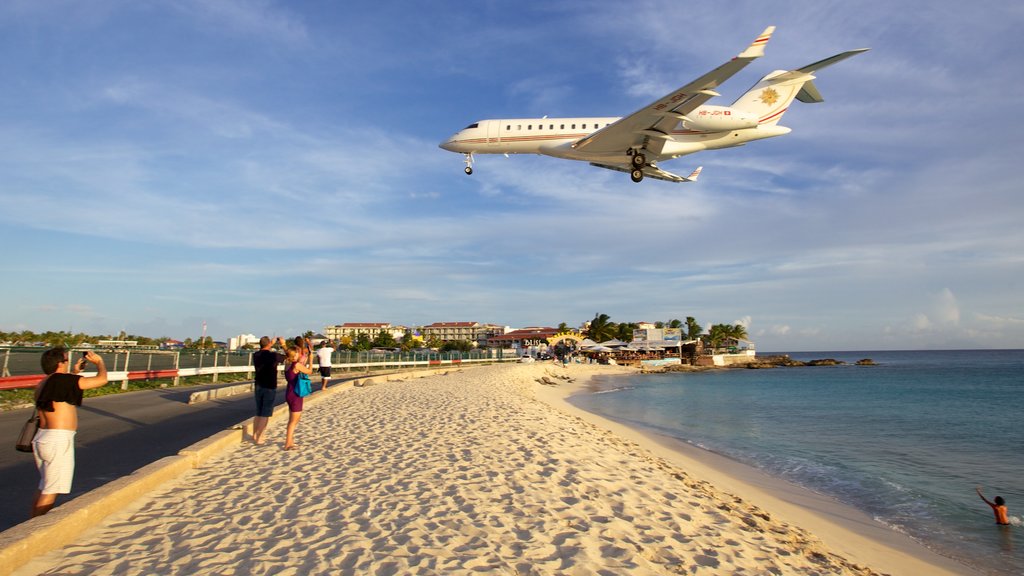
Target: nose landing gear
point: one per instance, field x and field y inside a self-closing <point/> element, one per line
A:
<point x="469" y="164"/>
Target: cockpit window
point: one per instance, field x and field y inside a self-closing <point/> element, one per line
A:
<point x="473" y="125"/>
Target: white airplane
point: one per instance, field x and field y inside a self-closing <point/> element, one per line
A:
<point x="673" y="126"/>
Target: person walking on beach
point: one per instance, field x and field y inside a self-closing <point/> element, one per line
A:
<point x="57" y="399"/>
<point x="323" y="356"/>
<point x="265" y="361"/>
<point x="998" y="508"/>
<point x="297" y="362"/>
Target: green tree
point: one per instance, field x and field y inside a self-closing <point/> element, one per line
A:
<point x="563" y="327"/>
<point x="675" y="323"/>
<point x="624" y="331"/>
<point x="693" y="330"/>
<point x="457" y="346"/>
<point x="362" y="342"/>
<point x="384" y="339"/>
<point x="719" y="333"/>
<point x="601" y="328"/>
<point x="407" y="341"/>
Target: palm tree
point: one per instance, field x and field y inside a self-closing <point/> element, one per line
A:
<point x="601" y="328"/>
<point x="693" y="329"/>
<point x="719" y="333"/>
<point x="624" y="331"/>
<point x="738" y="331"/>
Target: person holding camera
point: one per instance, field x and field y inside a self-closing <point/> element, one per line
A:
<point x="57" y="399"/>
<point x="265" y="362"/>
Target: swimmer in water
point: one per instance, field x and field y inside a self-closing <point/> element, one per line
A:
<point x="998" y="508"/>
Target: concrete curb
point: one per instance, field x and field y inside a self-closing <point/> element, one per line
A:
<point x="58" y="528"/>
<point x="223" y="392"/>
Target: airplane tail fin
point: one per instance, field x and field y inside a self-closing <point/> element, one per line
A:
<point x="771" y="96"/>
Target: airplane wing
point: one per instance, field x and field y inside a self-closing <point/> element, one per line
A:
<point x="651" y="171"/>
<point x="656" y="120"/>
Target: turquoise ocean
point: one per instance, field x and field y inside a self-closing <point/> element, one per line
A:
<point x="906" y="441"/>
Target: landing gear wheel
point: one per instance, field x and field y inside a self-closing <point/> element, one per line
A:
<point x="637" y="175"/>
<point x="468" y="170"/>
<point x="639" y="160"/>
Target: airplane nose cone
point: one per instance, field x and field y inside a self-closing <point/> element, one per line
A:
<point x="448" y="145"/>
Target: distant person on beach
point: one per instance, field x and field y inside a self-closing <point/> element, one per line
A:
<point x="299" y="360"/>
<point x="265" y="361"/>
<point x="57" y="398"/>
<point x="323" y="356"/>
<point x="998" y="508"/>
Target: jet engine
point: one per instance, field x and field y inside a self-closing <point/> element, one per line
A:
<point x="719" y="119"/>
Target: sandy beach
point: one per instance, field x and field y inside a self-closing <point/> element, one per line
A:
<point x="482" y="470"/>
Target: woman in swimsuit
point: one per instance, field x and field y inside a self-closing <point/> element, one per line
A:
<point x="297" y="362"/>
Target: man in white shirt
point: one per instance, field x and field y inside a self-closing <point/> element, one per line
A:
<point x="323" y="356"/>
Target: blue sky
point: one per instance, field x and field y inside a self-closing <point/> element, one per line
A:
<point x="272" y="167"/>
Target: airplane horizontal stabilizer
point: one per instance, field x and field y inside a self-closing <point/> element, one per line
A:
<point x="812" y="68"/>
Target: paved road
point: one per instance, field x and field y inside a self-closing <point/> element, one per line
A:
<point x="117" y="434"/>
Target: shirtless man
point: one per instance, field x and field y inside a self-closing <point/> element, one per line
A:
<point x="57" y="399"/>
<point x="998" y="508"/>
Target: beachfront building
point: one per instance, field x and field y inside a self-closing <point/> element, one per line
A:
<point x="474" y="332"/>
<point x="352" y="330"/>
<point x="532" y="341"/>
<point x="240" y="341"/>
<point x="667" y="337"/>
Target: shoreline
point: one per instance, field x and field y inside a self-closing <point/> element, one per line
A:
<point x="843" y="528"/>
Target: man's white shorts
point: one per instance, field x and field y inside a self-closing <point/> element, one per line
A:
<point x="54" y="451"/>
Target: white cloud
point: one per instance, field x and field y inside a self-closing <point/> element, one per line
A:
<point x="947" y="310"/>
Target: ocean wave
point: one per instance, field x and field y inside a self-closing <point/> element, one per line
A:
<point x="620" y="389"/>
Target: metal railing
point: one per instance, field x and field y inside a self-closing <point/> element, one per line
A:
<point x="21" y="366"/>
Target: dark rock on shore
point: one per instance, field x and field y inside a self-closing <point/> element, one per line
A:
<point x="781" y="361"/>
<point x="777" y="361"/>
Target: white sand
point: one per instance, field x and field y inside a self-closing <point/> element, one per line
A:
<point x="466" y="472"/>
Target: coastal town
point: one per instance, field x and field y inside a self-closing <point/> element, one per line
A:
<point x="598" y="340"/>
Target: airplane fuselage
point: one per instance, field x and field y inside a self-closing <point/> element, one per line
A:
<point x="556" y="137"/>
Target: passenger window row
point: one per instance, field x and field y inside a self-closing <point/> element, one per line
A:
<point x="552" y="126"/>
